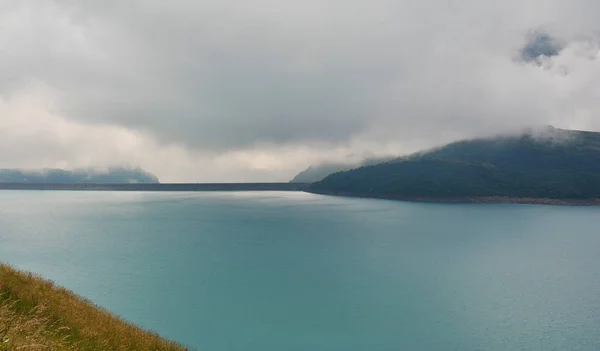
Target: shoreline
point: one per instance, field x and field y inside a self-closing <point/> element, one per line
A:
<point x="470" y="199"/>
<point x="156" y="186"/>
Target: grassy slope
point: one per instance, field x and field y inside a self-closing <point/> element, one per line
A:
<point x="37" y="315"/>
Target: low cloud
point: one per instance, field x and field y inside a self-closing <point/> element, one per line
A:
<point x="234" y="91"/>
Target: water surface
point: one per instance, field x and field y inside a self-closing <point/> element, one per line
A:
<point x="294" y="271"/>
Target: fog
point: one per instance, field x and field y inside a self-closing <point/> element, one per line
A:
<point x="259" y="90"/>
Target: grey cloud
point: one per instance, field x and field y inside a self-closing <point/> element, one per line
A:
<point x="538" y="45"/>
<point x="217" y="76"/>
<point x="203" y="82"/>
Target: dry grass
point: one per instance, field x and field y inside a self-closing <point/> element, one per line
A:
<point x="37" y="315"/>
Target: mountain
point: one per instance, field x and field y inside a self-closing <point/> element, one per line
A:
<point x="112" y="175"/>
<point x="540" y="164"/>
<point x="315" y="173"/>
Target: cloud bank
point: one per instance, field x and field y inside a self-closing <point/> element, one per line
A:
<point x="257" y="90"/>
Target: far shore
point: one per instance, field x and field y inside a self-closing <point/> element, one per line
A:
<point x="156" y="186"/>
<point x="475" y="199"/>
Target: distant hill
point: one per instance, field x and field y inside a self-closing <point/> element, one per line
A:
<point x="111" y="175"/>
<point x="315" y="173"/>
<point x="543" y="164"/>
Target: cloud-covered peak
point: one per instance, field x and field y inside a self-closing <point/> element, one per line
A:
<point x="111" y="175"/>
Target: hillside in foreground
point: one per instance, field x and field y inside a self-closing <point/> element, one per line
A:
<point x="37" y="315"/>
<point x="112" y="175"/>
<point x="551" y="164"/>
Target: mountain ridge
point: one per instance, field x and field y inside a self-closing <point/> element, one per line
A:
<point x="551" y="164"/>
<point x="315" y="173"/>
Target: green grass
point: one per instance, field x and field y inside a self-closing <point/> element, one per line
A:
<point x="35" y="314"/>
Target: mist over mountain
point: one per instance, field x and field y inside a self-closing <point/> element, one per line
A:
<point x="315" y="173"/>
<point x="545" y="163"/>
<point x="111" y="175"/>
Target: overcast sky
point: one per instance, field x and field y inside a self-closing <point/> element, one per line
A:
<point x="257" y="90"/>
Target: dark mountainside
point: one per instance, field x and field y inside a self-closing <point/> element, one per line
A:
<point x="548" y="164"/>
<point x="315" y="173"/>
<point x="113" y="175"/>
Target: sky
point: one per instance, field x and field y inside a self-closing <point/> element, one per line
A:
<point x="257" y="90"/>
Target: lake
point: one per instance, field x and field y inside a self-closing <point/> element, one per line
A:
<point x="295" y="271"/>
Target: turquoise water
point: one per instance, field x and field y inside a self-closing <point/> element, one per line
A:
<point x="294" y="271"/>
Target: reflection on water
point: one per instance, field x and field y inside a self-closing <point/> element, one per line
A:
<point x="296" y="271"/>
